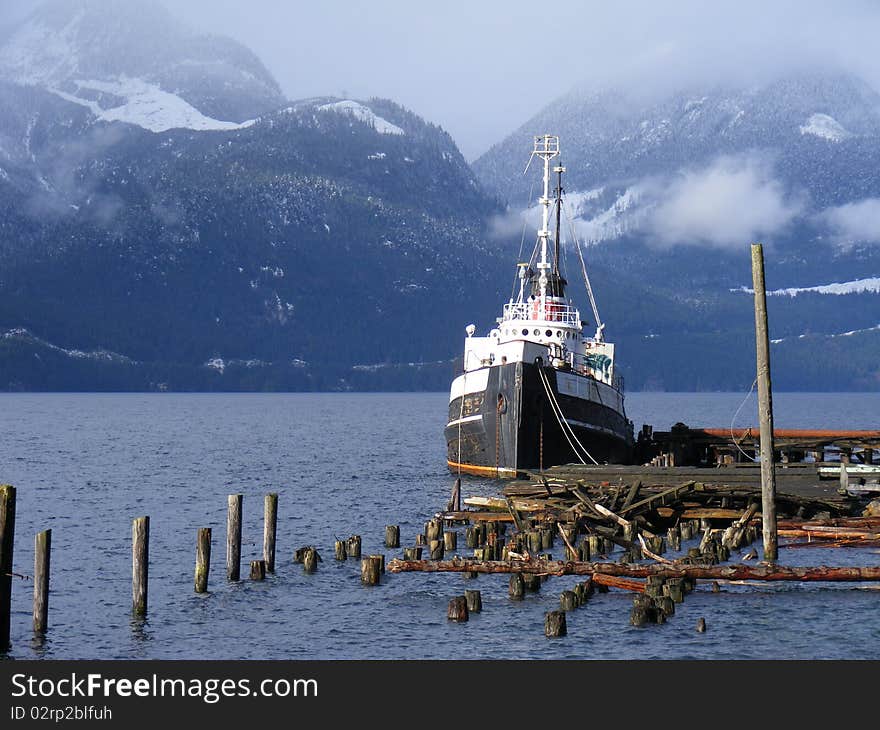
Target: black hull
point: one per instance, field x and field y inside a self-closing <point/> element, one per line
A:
<point x="517" y="429"/>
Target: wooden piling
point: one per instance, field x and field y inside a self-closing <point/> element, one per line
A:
<point x="517" y="589"/>
<point x="354" y="546"/>
<point x="844" y="477"/>
<point x="554" y="624"/>
<point x="42" y="554"/>
<point x="203" y="559"/>
<point x="258" y="569"/>
<point x="568" y="601"/>
<point x="392" y="536"/>
<point x="436" y="549"/>
<point x="310" y="560"/>
<point x="270" y="523"/>
<point x="458" y="609"/>
<point x="370" y="573"/>
<point x="765" y="407"/>
<point x="7" y="541"/>
<point x="474" y="601"/>
<point x="450" y="540"/>
<point x="140" y="564"/>
<point x="701" y="625"/>
<point x="412" y="553"/>
<point x="339" y="550"/>
<point x="381" y="559"/>
<point x="233" y="536"/>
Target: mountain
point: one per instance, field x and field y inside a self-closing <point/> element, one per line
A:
<point x="187" y="239"/>
<point x="668" y="192"/>
<point x="132" y="60"/>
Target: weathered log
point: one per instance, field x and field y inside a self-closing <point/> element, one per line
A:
<point x="676" y="570"/>
<point x="613" y="581"/>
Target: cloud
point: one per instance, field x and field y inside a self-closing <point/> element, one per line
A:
<point x="732" y="202"/>
<point x="857" y="222"/>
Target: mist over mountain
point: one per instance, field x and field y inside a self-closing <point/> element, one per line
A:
<point x="668" y="191"/>
<point x="168" y="220"/>
<point x="146" y="241"/>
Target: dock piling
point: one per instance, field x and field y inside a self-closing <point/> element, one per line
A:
<point x="7" y="541"/>
<point x="203" y="559"/>
<point x="765" y="407"/>
<point x="233" y="536"/>
<point x="42" y="555"/>
<point x="140" y="564"/>
<point x="270" y="524"/>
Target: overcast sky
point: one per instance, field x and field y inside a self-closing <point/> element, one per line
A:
<point x="480" y="68"/>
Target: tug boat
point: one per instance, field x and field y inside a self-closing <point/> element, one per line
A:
<point x="537" y="391"/>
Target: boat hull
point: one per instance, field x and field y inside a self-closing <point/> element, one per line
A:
<point x="510" y="425"/>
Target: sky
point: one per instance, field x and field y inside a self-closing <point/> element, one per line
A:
<point x="482" y="68"/>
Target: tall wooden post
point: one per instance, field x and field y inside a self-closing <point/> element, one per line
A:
<point x="7" y="540"/>
<point x="42" y="553"/>
<point x="270" y="522"/>
<point x="233" y="536"/>
<point x="140" y="564"/>
<point x="203" y="559"/>
<point x="765" y="406"/>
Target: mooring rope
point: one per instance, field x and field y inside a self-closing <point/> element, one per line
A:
<point x="560" y="417"/>
<point x="733" y="420"/>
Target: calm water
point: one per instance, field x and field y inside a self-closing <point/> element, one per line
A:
<point x="85" y="465"/>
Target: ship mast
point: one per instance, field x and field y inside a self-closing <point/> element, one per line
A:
<point x="546" y="147"/>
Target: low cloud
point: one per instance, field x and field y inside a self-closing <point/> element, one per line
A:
<point x="857" y="222"/>
<point x="732" y="202"/>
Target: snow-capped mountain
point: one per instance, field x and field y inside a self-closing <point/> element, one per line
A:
<point x="131" y="60"/>
<point x="670" y="191"/>
<point x="162" y="225"/>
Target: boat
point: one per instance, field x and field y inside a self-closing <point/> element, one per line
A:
<point x="538" y="391"/>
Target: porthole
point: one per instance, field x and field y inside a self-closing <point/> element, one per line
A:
<point x="549" y="333"/>
<point x="559" y="333"/>
<point x="525" y="332"/>
<point x="537" y="333"/>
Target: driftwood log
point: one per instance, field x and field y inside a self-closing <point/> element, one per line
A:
<point x="724" y="572"/>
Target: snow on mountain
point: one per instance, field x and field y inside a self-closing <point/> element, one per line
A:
<point x="364" y="114"/>
<point x="859" y="286"/>
<point x="825" y="127"/>
<point x="147" y="106"/>
<point x="74" y="46"/>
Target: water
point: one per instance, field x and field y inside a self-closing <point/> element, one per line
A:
<point x="85" y="465"/>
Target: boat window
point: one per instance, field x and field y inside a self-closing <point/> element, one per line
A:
<point x="549" y="333"/>
<point x="559" y="333"/>
<point x="525" y="332"/>
<point x="537" y="333"/>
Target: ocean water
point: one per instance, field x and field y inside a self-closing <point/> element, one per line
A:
<point x="342" y="464"/>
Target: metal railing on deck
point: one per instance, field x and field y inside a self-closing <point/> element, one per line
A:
<point x="561" y="313"/>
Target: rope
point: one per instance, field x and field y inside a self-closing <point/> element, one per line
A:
<point x="589" y="286"/>
<point x="522" y="241"/>
<point x="733" y="420"/>
<point x="560" y="417"/>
